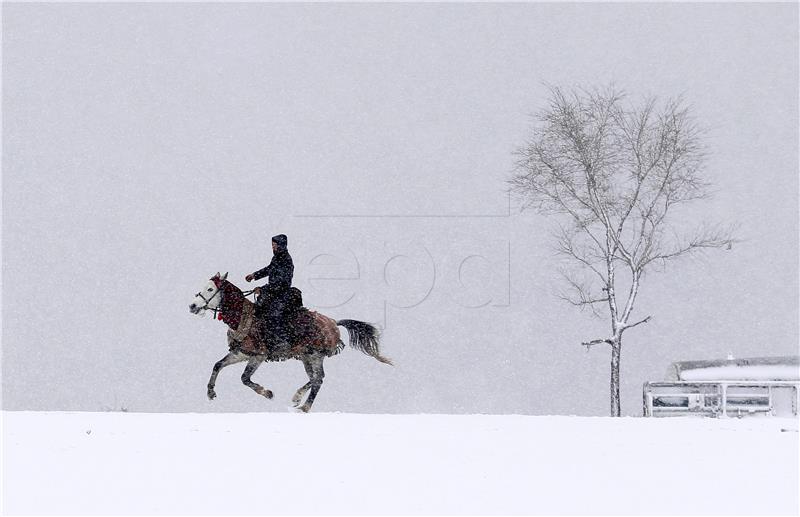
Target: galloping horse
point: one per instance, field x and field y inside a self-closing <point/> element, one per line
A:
<point x="315" y="337"/>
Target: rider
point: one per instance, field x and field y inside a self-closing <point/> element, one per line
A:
<point x="274" y="296"/>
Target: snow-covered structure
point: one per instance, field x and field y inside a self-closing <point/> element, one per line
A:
<point x="763" y="386"/>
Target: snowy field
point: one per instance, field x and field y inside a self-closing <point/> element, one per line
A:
<point x="126" y="463"/>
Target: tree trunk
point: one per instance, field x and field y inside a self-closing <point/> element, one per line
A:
<point x="616" y="351"/>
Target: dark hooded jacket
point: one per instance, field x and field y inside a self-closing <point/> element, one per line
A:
<point x="280" y="269"/>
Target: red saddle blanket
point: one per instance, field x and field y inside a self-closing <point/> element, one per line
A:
<point x="308" y="331"/>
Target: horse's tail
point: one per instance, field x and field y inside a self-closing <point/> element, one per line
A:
<point x="364" y="337"/>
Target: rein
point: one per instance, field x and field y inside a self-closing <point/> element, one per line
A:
<point x="217" y="311"/>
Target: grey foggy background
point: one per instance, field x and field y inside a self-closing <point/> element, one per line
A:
<point x="148" y="146"/>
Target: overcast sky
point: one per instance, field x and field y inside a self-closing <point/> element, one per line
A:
<point x="148" y="146"/>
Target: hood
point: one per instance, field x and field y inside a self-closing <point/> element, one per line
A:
<point x="281" y="241"/>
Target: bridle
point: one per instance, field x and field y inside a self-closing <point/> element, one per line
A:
<point x="208" y="300"/>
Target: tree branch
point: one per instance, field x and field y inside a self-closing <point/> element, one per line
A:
<point x="566" y="246"/>
<point x="584" y="297"/>
<point x="589" y="344"/>
<point x="634" y="290"/>
<point x="705" y="238"/>
<point x="637" y="323"/>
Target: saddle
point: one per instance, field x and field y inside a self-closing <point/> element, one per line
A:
<point x="264" y="337"/>
<point x="307" y="330"/>
<point x="294" y="301"/>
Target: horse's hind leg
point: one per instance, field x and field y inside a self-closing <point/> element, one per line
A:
<point x="249" y="370"/>
<point x="231" y="358"/>
<point x="305" y="387"/>
<point x="318" y="373"/>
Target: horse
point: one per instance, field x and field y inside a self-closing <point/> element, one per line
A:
<point x="314" y="338"/>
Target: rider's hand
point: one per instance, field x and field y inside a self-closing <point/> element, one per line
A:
<point x="249" y="278"/>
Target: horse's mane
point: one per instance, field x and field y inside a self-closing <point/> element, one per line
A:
<point x="232" y="303"/>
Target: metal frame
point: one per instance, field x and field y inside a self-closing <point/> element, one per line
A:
<point x="716" y="398"/>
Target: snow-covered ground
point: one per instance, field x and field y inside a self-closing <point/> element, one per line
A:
<point x="113" y="463"/>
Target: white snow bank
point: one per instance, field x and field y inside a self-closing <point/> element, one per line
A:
<point x="113" y="463"/>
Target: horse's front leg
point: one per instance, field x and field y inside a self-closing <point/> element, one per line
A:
<point x="252" y="365"/>
<point x="298" y="395"/>
<point x="318" y="374"/>
<point x="231" y="358"/>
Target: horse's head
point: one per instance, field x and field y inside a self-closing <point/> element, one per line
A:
<point x="210" y="296"/>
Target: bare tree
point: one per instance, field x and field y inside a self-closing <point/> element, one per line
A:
<point x="615" y="174"/>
